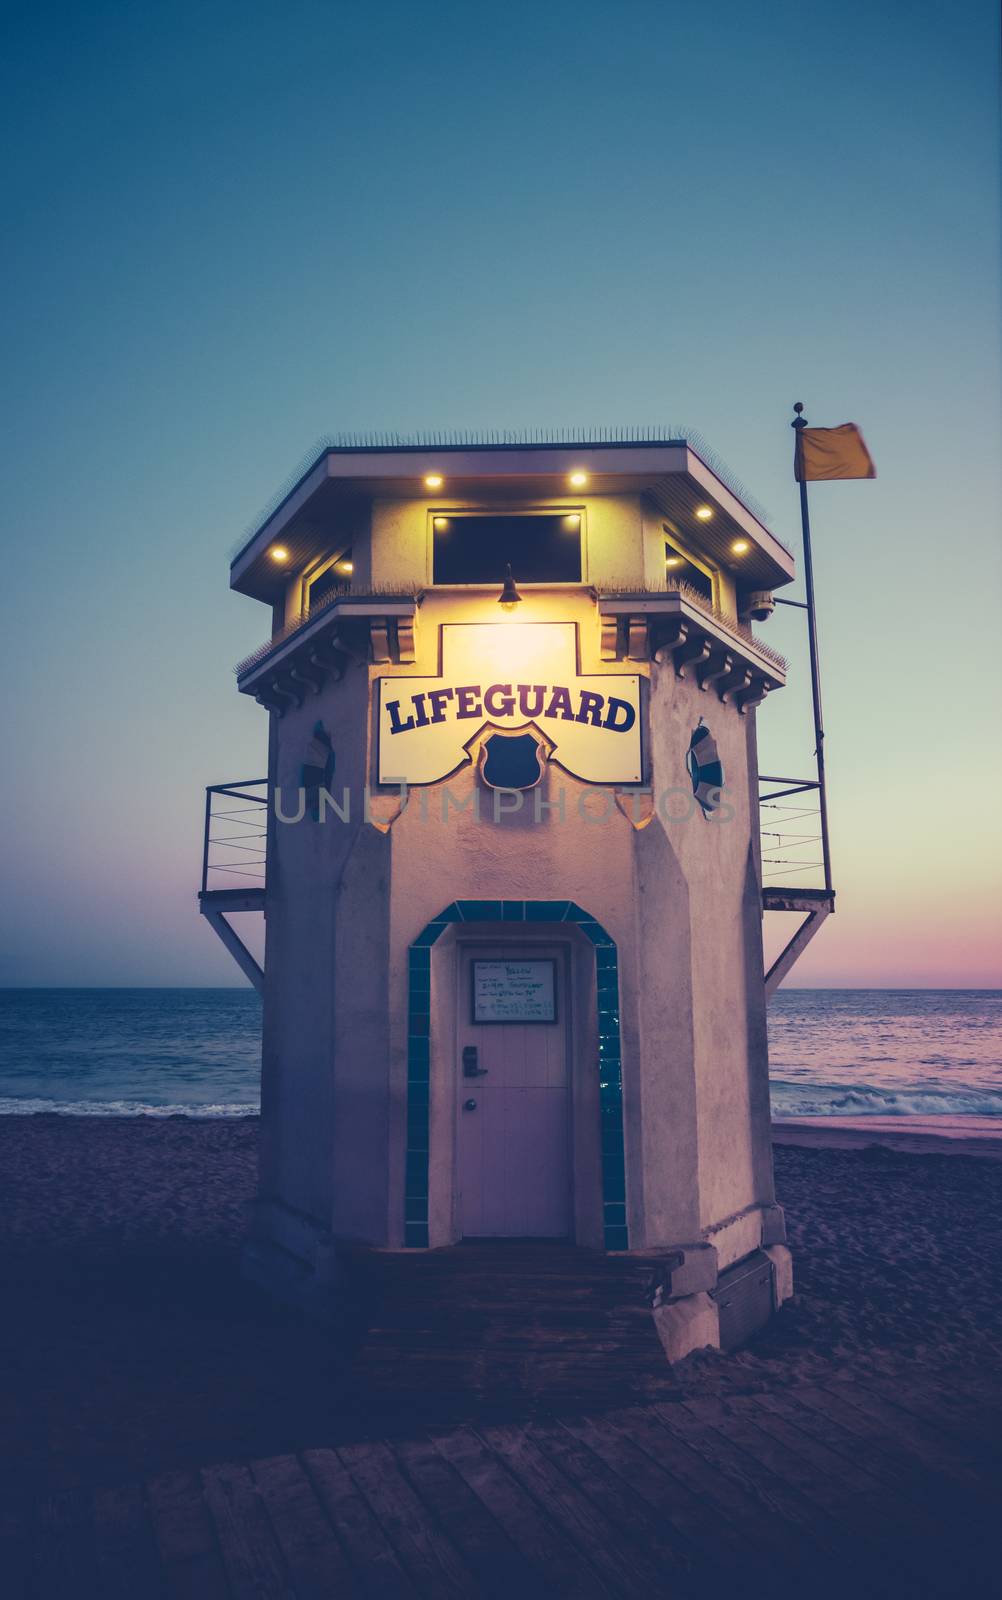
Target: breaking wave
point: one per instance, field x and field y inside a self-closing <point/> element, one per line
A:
<point x="11" y="1107"/>
<point x="788" y="1100"/>
<point x="864" y="1100"/>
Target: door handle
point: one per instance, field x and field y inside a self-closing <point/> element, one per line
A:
<point x="469" y="1105"/>
<point x="471" y="1069"/>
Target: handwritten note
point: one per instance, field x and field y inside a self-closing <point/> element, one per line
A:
<point x="514" y="991"/>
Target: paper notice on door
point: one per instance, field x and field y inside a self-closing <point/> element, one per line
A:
<point x="514" y="991"/>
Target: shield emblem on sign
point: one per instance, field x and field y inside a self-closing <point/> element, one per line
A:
<point x="512" y="761"/>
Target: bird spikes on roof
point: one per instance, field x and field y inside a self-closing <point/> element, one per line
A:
<point x="412" y="591"/>
<point x="494" y="439"/>
<point x="628" y="591"/>
<point x="342" y="591"/>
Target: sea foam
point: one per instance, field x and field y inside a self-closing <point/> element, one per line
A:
<point x="866" y="1100"/>
<point x="11" y="1107"/>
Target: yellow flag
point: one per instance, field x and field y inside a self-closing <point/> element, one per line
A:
<point x="832" y="453"/>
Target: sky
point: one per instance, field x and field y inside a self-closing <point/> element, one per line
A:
<point x="231" y="229"/>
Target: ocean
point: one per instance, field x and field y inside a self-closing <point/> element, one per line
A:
<point x="196" y="1052"/>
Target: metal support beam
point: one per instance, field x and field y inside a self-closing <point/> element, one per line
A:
<point x="795" y="948"/>
<point x="234" y="944"/>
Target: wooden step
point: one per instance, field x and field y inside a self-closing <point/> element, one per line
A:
<point x="529" y="1320"/>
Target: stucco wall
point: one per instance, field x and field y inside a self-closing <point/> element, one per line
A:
<point x="729" y="1061"/>
<point x="326" y="983"/>
<point x="680" y="897"/>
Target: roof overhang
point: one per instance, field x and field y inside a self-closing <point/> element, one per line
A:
<point x="670" y="473"/>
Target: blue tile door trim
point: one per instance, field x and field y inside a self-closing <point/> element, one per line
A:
<point x="610" y="1077"/>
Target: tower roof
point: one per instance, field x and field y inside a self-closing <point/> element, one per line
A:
<point x="674" y="474"/>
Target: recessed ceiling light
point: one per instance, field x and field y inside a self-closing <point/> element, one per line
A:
<point x="433" y="480"/>
<point x="279" y="553"/>
<point x="704" y="513"/>
<point x="441" y="522"/>
<point x="346" y="566"/>
<point x="577" y="480"/>
<point x="739" y="547"/>
<point x="673" y="561"/>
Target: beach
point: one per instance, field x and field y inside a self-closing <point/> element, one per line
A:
<point x="131" y="1345"/>
<point x="916" y="1135"/>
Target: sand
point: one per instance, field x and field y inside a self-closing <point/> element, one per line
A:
<point x="129" y="1344"/>
<point x="945" y="1136"/>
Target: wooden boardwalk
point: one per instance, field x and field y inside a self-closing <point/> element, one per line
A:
<point x="871" y="1487"/>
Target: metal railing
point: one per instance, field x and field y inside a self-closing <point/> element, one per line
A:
<point x="234" y="854"/>
<point x="792" y="833"/>
<point x="234" y="842"/>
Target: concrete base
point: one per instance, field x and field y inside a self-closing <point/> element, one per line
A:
<point x="725" y="1313"/>
<point x="293" y="1283"/>
<point x="782" y="1273"/>
<point x="699" y="1302"/>
<point x="291" y="1257"/>
<point x="686" y="1325"/>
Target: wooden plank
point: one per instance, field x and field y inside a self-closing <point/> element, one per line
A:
<point x="825" y="1478"/>
<point x="745" y="1495"/>
<point x="185" y="1537"/>
<point x="428" y="1557"/>
<point x="971" y="1423"/>
<point x="954" y="1525"/>
<point x="253" y="1562"/>
<point x="735" y="1515"/>
<point x="315" y="1559"/>
<point x="695" y="1536"/>
<point x="564" y="1570"/>
<point x="934" y="1449"/>
<point x="820" y="1509"/>
<point x="963" y="1499"/>
<point x="937" y="1495"/>
<point x="811" y="1461"/>
<point x="724" y="1447"/>
<point x="127" y="1554"/>
<point x="63" y="1557"/>
<point x="640" y="1528"/>
<point x="876" y="1472"/>
<point x="369" y="1550"/>
<point x="822" y="1560"/>
<point x="623" y="1570"/>
<point x="937" y="1545"/>
<point x="499" y="1569"/>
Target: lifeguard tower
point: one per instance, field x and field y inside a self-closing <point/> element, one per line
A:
<point x="513" y="983"/>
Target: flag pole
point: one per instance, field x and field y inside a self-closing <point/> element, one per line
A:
<point x="799" y="424"/>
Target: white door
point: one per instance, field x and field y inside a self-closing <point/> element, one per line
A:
<point x="513" y="1094"/>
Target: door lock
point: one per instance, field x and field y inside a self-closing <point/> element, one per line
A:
<point x="469" y="1105"/>
<point x="471" y="1069"/>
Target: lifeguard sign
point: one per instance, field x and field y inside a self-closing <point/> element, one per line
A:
<point x="510" y="675"/>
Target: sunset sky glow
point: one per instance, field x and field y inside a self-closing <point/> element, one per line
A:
<point x="232" y="230"/>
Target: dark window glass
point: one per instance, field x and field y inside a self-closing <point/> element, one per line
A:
<point x="540" y="549"/>
<point x="678" y="566"/>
